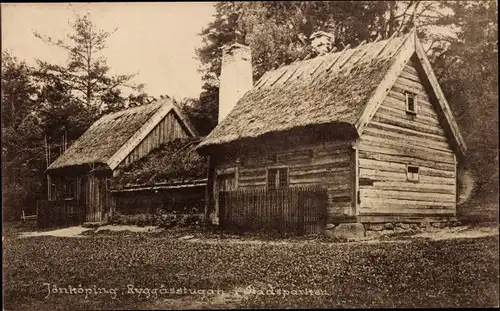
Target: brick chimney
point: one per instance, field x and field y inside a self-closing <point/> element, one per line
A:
<point x="236" y="77"/>
<point x="322" y="41"/>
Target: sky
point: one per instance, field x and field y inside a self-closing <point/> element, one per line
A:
<point x="156" y="40"/>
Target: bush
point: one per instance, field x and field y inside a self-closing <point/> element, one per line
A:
<point x="14" y="196"/>
<point x="140" y="220"/>
<point x="165" y="219"/>
<point x="162" y="218"/>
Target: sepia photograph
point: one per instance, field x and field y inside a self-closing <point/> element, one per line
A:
<point x="249" y="155"/>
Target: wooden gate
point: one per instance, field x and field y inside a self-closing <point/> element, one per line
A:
<point x="96" y="196"/>
<point x="294" y="210"/>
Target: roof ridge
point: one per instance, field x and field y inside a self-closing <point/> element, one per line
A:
<point x="184" y="118"/>
<point x="348" y="48"/>
<point x="130" y="110"/>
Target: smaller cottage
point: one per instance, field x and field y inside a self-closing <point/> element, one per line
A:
<point x="83" y="173"/>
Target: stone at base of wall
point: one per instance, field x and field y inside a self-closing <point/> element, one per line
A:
<point x="374" y="227"/>
<point x="330" y="226"/>
<point x="380" y="228"/>
<point x="356" y="230"/>
<point x="348" y="231"/>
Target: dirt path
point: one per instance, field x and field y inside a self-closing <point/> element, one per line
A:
<point x="77" y="231"/>
<point x="64" y="232"/>
<point x="433" y="234"/>
<point x="458" y="233"/>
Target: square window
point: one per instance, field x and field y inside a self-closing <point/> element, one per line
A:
<point x="412" y="173"/>
<point x="411" y="103"/>
<point x="277" y="178"/>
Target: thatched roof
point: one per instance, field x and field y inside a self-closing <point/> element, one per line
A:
<point x="107" y="135"/>
<point x="329" y="88"/>
<point x="176" y="161"/>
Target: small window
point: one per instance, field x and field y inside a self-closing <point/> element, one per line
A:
<point x="277" y="178"/>
<point x="411" y="103"/>
<point x="412" y="173"/>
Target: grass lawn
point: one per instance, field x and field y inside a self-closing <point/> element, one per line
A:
<point x="417" y="273"/>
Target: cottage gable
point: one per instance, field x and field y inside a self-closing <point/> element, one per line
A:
<point x="407" y="165"/>
<point x="423" y="122"/>
<point x="168" y="129"/>
<point x="413" y="52"/>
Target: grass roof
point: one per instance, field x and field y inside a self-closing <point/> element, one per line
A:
<point x="106" y="136"/>
<point x="176" y="161"/>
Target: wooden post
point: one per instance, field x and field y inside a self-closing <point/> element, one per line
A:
<point x="209" y="196"/>
<point x="355" y="177"/>
<point x="46" y="152"/>
<point x="38" y="220"/>
<point x="49" y="182"/>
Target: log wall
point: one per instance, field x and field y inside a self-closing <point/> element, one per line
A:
<point x="326" y="165"/>
<point x="394" y="139"/>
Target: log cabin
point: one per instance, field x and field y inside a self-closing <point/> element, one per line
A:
<point x="84" y="171"/>
<point x="370" y="124"/>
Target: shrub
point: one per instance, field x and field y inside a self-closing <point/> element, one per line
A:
<point x="13" y="196"/>
<point x="140" y="220"/>
<point x="162" y="218"/>
<point x="167" y="219"/>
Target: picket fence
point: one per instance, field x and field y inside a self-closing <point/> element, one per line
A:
<point x="298" y="210"/>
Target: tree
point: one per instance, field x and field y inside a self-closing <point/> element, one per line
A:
<point x="201" y="116"/>
<point x="77" y="93"/>
<point x="18" y="91"/>
<point x="22" y="151"/>
<point x="86" y="72"/>
<point x="468" y="72"/>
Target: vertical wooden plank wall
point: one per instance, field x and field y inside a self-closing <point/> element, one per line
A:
<point x="49" y="185"/>
<point x="91" y="199"/>
<point x="167" y="130"/>
<point x="394" y="139"/>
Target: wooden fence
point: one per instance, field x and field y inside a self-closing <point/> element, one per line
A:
<point x="59" y="213"/>
<point x="289" y="211"/>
